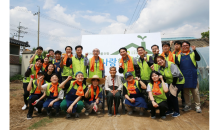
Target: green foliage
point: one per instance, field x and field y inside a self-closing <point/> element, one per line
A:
<point x="16" y="77"/>
<point x="34" y="48"/>
<point x="44" y="53"/>
<point x="40" y="123"/>
<point x="205" y="34"/>
<point x="20" y="59"/>
<point x="204" y="85"/>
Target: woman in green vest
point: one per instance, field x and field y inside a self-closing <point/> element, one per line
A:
<point x="51" y="91"/>
<point x="93" y="95"/>
<point x="133" y="96"/>
<point x="156" y="90"/>
<point x="72" y="102"/>
<point x="174" y="76"/>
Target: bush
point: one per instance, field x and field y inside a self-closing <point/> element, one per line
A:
<point x="16" y="77"/>
<point x="204" y="85"/>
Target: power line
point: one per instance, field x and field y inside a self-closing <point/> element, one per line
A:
<point x="52" y="19"/>
<point x="134" y="12"/>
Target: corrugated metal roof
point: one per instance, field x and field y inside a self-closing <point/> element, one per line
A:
<point x="14" y="41"/>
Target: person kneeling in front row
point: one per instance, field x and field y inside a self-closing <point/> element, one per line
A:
<point x="132" y="91"/>
<point x="156" y="90"/>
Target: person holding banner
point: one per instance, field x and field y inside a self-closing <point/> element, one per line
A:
<point x="175" y="80"/>
<point x="78" y="62"/>
<point x="93" y="95"/>
<point x="67" y="71"/>
<point x="128" y="64"/>
<point x="113" y="87"/>
<point x="95" y="64"/>
<point x="188" y="66"/>
<point x="72" y="102"/>
<point x="33" y="69"/>
<point x="156" y="90"/>
<point x="35" y="98"/>
<point x="132" y="92"/>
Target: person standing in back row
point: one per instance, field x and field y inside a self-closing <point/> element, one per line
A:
<point x="38" y="54"/>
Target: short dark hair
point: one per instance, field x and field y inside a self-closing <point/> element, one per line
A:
<point x="39" y="47"/>
<point x="54" y="74"/>
<point x="40" y="60"/>
<point x="155" y="45"/>
<point x="165" y="43"/>
<point x="161" y="57"/>
<point x="151" y="80"/>
<point x="67" y="47"/>
<point x="123" y="49"/>
<point x="58" y="52"/>
<point x="50" y="50"/>
<point x="45" y="57"/>
<point x="178" y="42"/>
<point x="79" y="46"/>
<point x="186" y="42"/>
<point x="141" y="47"/>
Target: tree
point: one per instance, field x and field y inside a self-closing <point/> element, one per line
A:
<point x="205" y="34"/>
<point x="34" y="48"/>
<point x="44" y="53"/>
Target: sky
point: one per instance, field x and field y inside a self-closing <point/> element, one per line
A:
<point x="63" y="22"/>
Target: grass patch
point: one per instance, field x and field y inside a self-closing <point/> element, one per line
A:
<point x="16" y="77"/>
<point x="40" y="123"/>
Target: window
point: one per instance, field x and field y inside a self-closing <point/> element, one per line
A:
<point x="14" y="49"/>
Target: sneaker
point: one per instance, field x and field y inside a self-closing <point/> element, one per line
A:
<point x="141" y="113"/>
<point x="24" y="107"/>
<point x="183" y="104"/>
<point x="175" y="114"/>
<point x="163" y="117"/>
<point x="98" y="112"/>
<point x="86" y="113"/>
<point x="169" y="112"/>
<point x="153" y="117"/>
<point x="118" y="114"/>
<point x="68" y="115"/>
<point x="130" y="113"/>
<point x="48" y="113"/>
<point x="109" y="114"/>
<point x="36" y="108"/>
<point x="29" y="117"/>
<point x="198" y="109"/>
<point x="57" y="114"/>
<point x="186" y="108"/>
<point x="77" y="115"/>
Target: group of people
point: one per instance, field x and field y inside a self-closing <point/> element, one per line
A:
<point x="71" y="83"/>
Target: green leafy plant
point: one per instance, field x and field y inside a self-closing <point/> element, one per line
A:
<point x="16" y="77"/>
<point x="141" y="37"/>
<point x="205" y="34"/>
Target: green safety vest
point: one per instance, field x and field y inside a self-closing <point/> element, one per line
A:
<point x="125" y="68"/>
<point x="54" y="61"/>
<point x="35" y="86"/>
<point x="78" y="65"/>
<point x="156" y="67"/>
<point x="67" y="71"/>
<point x="48" y="87"/>
<point x="145" y="70"/>
<point x="167" y="58"/>
<point x="96" y="69"/>
<point x="33" y="71"/>
<point x="135" y="85"/>
<point x="75" y="87"/>
<point x="192" y="56"/>
<point x="100" y="89"/>
<point x="36" y="56"/>
<point x="166" y="72"/>
<point x="159" y="98"/>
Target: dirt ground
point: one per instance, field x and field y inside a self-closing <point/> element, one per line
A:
<point x="187" y="120"/>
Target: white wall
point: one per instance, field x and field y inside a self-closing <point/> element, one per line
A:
<point x="15" y="69"/>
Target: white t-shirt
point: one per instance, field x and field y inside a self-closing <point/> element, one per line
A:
<point x="149" y="87"/>
<point x="60" y="95"/>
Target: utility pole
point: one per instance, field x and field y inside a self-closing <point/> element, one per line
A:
<point x="125" y="31"/>
<point x="20" y="31"/>
<point x="38" y="13"/>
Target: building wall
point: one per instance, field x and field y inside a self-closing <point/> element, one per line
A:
<point x="14" y="59"/>
<point x="15" y="69"/>
<point x="25" y="63"/>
